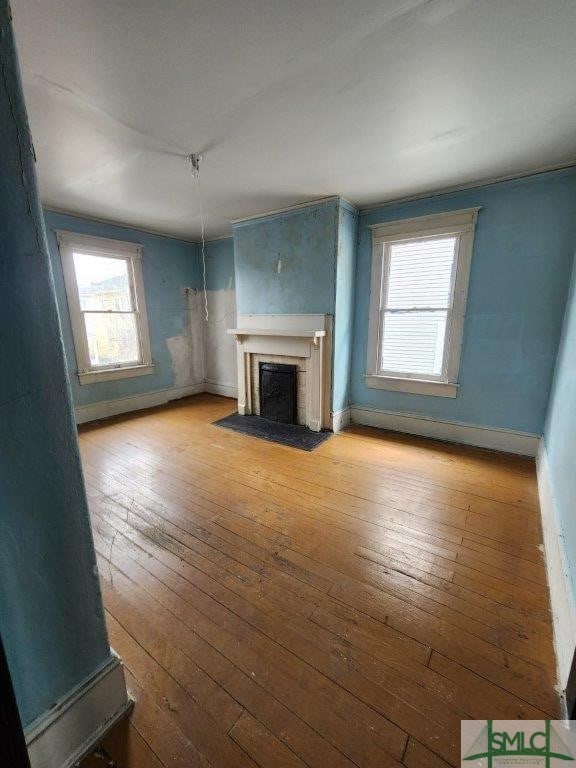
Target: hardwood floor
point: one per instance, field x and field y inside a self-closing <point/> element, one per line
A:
<point x="346" y="607"/>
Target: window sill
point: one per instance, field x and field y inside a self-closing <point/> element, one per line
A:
<point x="109" y="374"/>
<point x="413" y="386"/>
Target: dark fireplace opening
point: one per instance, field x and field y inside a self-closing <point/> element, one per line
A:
<point x="278" y="392"/>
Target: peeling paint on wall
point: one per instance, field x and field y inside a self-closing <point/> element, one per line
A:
<point x="169" y="266"/>
<point x="187" y="348"/>
<point x="220" y="346"/>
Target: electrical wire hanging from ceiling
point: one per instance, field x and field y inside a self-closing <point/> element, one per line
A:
<point x="194" y="160"/>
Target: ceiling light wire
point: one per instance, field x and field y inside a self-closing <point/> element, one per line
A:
<point x="194" y="160"/>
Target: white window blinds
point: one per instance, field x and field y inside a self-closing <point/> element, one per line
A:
<point x="416" y="304"/>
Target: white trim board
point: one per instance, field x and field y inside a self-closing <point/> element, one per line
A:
<point x="106" y="408"/>
<point x="225" y="390"/>
<point x="415" y="386"/>
<point x="340" y="419"/>
<point x="562" y="599"/>
<point x="67" y="732"/>
<point x="523" y="443"/>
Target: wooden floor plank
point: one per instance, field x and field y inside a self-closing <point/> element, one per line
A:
<point x="355" y="728"/>
<point x="263" y="746"/>
<point x="200" y="638"/>
<point x="345" y="607"/>
<point x="122" y="747"/>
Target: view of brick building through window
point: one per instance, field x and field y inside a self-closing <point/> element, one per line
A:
<point x="107" y="308"/>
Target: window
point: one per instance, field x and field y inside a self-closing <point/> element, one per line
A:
<point x="420" y="270"/>
<point x="107" y="307"/>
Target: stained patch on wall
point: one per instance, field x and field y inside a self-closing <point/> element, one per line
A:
<point x="187" y="348"/>
<point x="221" y="346"/>
<point x="220" y="372"/>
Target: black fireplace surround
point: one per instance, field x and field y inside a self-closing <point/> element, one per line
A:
<point x="278" y="420"/>
<point x="278" y="392"/>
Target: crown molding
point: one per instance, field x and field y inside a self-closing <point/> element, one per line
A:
<point x="438" y="192"/>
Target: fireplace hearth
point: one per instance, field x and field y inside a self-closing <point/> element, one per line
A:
<point x="292" y="435"/>
<point x="278" y="392"/>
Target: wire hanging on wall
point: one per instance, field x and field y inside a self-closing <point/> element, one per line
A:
<point x="194" y="160"/>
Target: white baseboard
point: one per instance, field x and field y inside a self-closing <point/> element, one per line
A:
<point x="106" y="408"/>
<point x="561" y="593"/>
<point x="75" y="724"/>
<point x="340" y="419"/>
<point x="507" y="440"/>
<point x="226" y="390"/>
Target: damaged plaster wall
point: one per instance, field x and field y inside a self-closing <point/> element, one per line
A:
<point x="220" y="358"/>
<point x="174" y="304"/>
<point x="187" y="348"/>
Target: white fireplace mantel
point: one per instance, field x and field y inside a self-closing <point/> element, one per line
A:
<point x="241" y="333"/>
<point x="299" y="336"/>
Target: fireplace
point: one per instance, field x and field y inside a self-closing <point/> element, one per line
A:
<point x="303" y="341"/>
<point x="278" y="390"/>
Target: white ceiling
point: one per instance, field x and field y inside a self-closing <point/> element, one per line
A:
<point x="288" y="100"/>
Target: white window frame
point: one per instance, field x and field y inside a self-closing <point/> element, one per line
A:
<point x="131" y="253"/>
<point x="461" y="224"/>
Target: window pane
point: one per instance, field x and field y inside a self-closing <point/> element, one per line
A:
<point x="112" y="339"/>
<point x="103" y="283"/>
<point x="413" y="342"/>
<point x="420" y="273"/>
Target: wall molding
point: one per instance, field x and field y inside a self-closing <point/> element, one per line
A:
<point x="340" y="419"/>
<point x="107" y="408"/>
<point x="226" y="390"/>
<point x="441" y="191"/>
<point x="523" y="443"/>
<point x="563" y="604"/>
<point x="342" y="201"/>
<point x="75" y="724"/>
<point x="117" y="224"/>
<point x="286" y="209"/>
<point x="434" y="192"/>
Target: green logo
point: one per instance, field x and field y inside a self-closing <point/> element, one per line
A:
<point x="545" y="744"/>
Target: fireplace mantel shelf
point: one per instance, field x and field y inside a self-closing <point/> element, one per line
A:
<point x="241" y="333"/>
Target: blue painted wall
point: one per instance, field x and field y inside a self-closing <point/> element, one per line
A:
<point x="560" y="433"/>
<point x="317" y="247"/>
<point x="51" y="616"/>
<point x="344" y="308"/>
<point x="168" y="266"/>
<point x="305" y="240"/>
<point x="220" y="272"/>
<point x="518" y="288"/>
